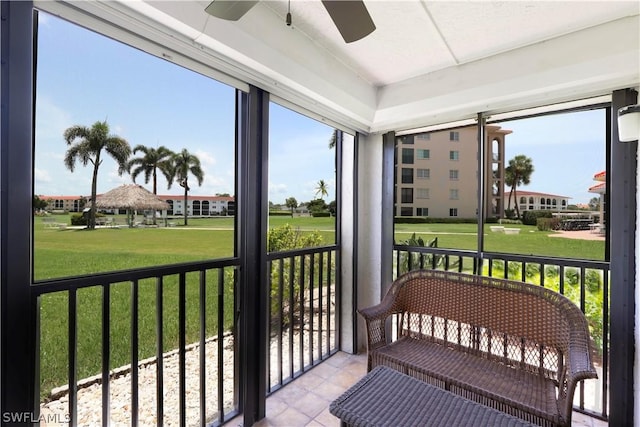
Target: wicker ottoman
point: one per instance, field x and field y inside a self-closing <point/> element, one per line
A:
<point x="385" y="397"/>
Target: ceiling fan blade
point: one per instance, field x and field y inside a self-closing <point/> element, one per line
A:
<point x="229" y="10"/>
<point x="351" y="18"/>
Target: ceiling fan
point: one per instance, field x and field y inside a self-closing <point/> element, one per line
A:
<point x="351" y="17"/>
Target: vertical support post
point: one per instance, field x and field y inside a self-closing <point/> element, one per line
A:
<point x="387" y="211"/>
<point x="622" y="222"/>
<point x="482" y="183"/>
<point x="252" y="146"/>
<point x="18" y="321"/>
<point x="354" y="264"/>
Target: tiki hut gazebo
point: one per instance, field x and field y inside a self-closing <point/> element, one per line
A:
<point x="131" y="197"/>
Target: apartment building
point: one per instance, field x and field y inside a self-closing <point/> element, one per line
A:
<point x="437" y="173"/>
<point x="196" y="205"/>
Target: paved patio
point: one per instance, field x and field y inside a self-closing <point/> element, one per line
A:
<point x="305" y="401"/>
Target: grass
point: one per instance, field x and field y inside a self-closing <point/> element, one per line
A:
<point x="71" y="252"/>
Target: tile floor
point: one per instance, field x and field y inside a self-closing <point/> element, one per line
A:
<point x="305" y="401"/>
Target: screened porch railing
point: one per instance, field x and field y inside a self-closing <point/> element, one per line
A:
<point x="212" y="282"/>
<point x="303" y="315"/>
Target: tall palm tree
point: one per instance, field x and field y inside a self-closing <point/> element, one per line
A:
<point x="86" y="145"/>
<point x="183" y="164"/>
<point x="150" y="162"/>
<point x="517" y="173"/>
<point x="321" y="189"/>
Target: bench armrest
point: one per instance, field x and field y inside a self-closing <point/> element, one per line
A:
<point x="580" y="367"/>
<point x="375" y="318"/>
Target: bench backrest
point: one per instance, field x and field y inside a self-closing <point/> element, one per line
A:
<point x="520" y="324"/>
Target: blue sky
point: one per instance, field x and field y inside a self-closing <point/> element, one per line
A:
<point x="566" y="151"/>
<point x="84" y="77"/>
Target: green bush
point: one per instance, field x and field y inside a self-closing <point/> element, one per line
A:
<point x="548" y="224"/>
<point x="282" y="239"/>
<point x="433" y="220"/>
<point x="80" y="219"/>
<point x="279" y="213"/>
<point x="320" y="214"/>
<point x="531" y="217"/>
<point x="413" y="261"/>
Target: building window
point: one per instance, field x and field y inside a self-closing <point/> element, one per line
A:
<point x="423" y="193"/>
<point x="422" y="211"/>
<point x="407" y="175"/>
<point x="453" y="212"/>
<point x="423" y="173"/>
<point x="554" y="202"/>
<point x="407" y="139"/>
<point x="454" y="155"/>
<point x="424" y="136"/>
<point x="453" y="194"/>
<point x="454" y="136"/>
<point x="406" y="211"/>
<point x="406" y="195"/>
<point x="407" y="156"/>
<point x="453" y="174"/>
<point x="423" y="154"/>
<point x="542" y="201"/>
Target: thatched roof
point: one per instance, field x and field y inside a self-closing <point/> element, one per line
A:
<point x="130" y="196"/>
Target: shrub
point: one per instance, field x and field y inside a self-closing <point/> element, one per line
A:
<point x="80" y="219"/>
<point x="531" y="217"/>
<point x="279" y="213"/>
<point x="317" y="214"/>
<point x="548" y="224"/>
<point x="433" y="220"/>
<point x="282" y="239"/>
<point x="414" y="260"/>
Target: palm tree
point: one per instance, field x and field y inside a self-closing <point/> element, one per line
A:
<point x="334" y="139"/>
<point x="150" y="162"/>
<point x="322" y="189"/>
<point x="183" y="164"/>
<point x="517" y="173"/>
<point x="86" y="145"/>
<point x="291" y="203"/>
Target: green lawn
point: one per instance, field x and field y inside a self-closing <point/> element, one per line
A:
<point x="60" y="253"/>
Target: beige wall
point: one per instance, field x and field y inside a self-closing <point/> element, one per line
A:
<point x="439" y="164"/>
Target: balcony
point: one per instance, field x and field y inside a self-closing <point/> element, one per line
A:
<point x="290" y="349"/>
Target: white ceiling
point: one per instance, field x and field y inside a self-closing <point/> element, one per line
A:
<point x="427" y="62"/>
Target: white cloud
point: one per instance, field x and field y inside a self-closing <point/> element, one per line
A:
<point x="42" y="176"/>
<point x="206" y="159"/>
<point x="51" y="122"/>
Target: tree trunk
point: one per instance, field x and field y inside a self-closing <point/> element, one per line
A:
<point x="515" y="203"/>
<point x="91" y="223"/>
<point x="155" y="192"/>
<point x="186" y="186"/>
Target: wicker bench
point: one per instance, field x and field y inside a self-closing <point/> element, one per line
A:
<point x="516" y="347"/>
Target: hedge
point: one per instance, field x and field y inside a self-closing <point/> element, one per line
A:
<point x="433" y="220"/>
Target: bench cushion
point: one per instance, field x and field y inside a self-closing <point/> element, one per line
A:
<point x="480" y="379"/>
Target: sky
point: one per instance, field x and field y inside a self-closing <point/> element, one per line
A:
<point x="566" y="151"/>
<point x="83" y="77"/>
